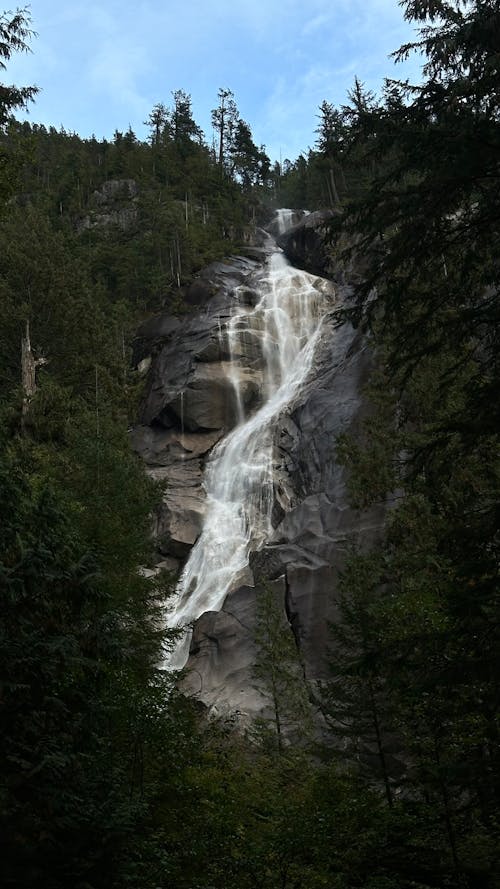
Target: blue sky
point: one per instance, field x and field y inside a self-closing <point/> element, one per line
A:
<point x="103" y="65"/>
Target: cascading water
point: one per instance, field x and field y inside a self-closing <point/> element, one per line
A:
<point x="239" y="475"/>
<point x="284" y="220"/>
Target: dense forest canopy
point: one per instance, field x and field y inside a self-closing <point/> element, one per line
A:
<point x="108" y="777"/>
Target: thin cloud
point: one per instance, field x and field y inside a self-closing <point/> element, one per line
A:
<point x="315" y="24"/>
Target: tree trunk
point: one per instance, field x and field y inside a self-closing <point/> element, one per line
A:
<point x="29" y="365"/>
<point x="221" y="139"/>
<point x="380" y="747"/>
<point x="333" y="184"/>
<point x="277" y="714"/>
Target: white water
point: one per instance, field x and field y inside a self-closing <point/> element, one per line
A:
<point x="285" y="220"/>
<point x="239" y="474"/>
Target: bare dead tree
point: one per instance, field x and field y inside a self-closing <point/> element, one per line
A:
<point x="29" y="365"/>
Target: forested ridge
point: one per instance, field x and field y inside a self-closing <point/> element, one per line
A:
<point x="110" y="777"/>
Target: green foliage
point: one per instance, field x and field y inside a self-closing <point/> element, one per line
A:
<point x="373" y="456"/>
<point x="357" y="703"/>
<point x="109" y="778"/>
<point x="336" y="171"/>
<point x="78" y="660"/>
<point x="426" y="227"/>
<point x="278" y="674"/>
<point x="15" y="33"/>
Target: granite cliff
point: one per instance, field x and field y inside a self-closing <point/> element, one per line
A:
<point x="201" y="383"/>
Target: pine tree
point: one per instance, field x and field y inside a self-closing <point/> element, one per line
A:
<point x="224" y="121"/>
<point x="279" y="675"/>
<point x="357" y="701"/>
<point x="15" y="34"/>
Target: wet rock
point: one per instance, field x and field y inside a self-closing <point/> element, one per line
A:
<point x="248" y="297"/>
<point x="179" y="519"/>
<point x="176" y="460"/>
<point x="209" y="399"/>
<point x="222" y="646"/>
<point x="266" y="563"/>
<point x="163" y="447"/>
<point x="200" y="443"/>
<point x="151" y="443"/>
<point x="170" y="565"/>
<point x="153" y="332"/>
<point x="181" y="361"/>
<point x="189" y="398"/>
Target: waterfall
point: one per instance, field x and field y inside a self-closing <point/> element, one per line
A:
<point x="284" y="327"/>
<point x="284" y="220"/>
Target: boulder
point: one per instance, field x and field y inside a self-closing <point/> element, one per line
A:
<point x="165" y="447"/>
<point x="179" y="519"/>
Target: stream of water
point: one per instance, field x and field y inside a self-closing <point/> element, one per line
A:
<point x="285" y="324"/>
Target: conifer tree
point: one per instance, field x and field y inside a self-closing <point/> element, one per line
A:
<point x="224" y="121"/>
<point x="357" y="701"/>
<point x="279" y="675"/>
<point x="15" y="33"/>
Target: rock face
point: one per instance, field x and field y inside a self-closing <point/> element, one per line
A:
<point x="188" y="385"/>
<point x="189" y="405"/>
<point x="189" y="401"/>
<point x="310" y="542"/>
<point x="114" y="204"/>
<point x="304" y="243"/>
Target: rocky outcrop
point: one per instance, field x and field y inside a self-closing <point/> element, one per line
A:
<point x="305" y="245"/>
<point x="292" y="218"/>
<point x="188" y="385"/>
<point x="113" y="204"/>
<point x="190" y="401"/>
<point x="223" y="654"/>
<point x="314" y="537"/>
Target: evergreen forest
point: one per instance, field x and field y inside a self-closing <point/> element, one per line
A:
<point x="110" y="778"/>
